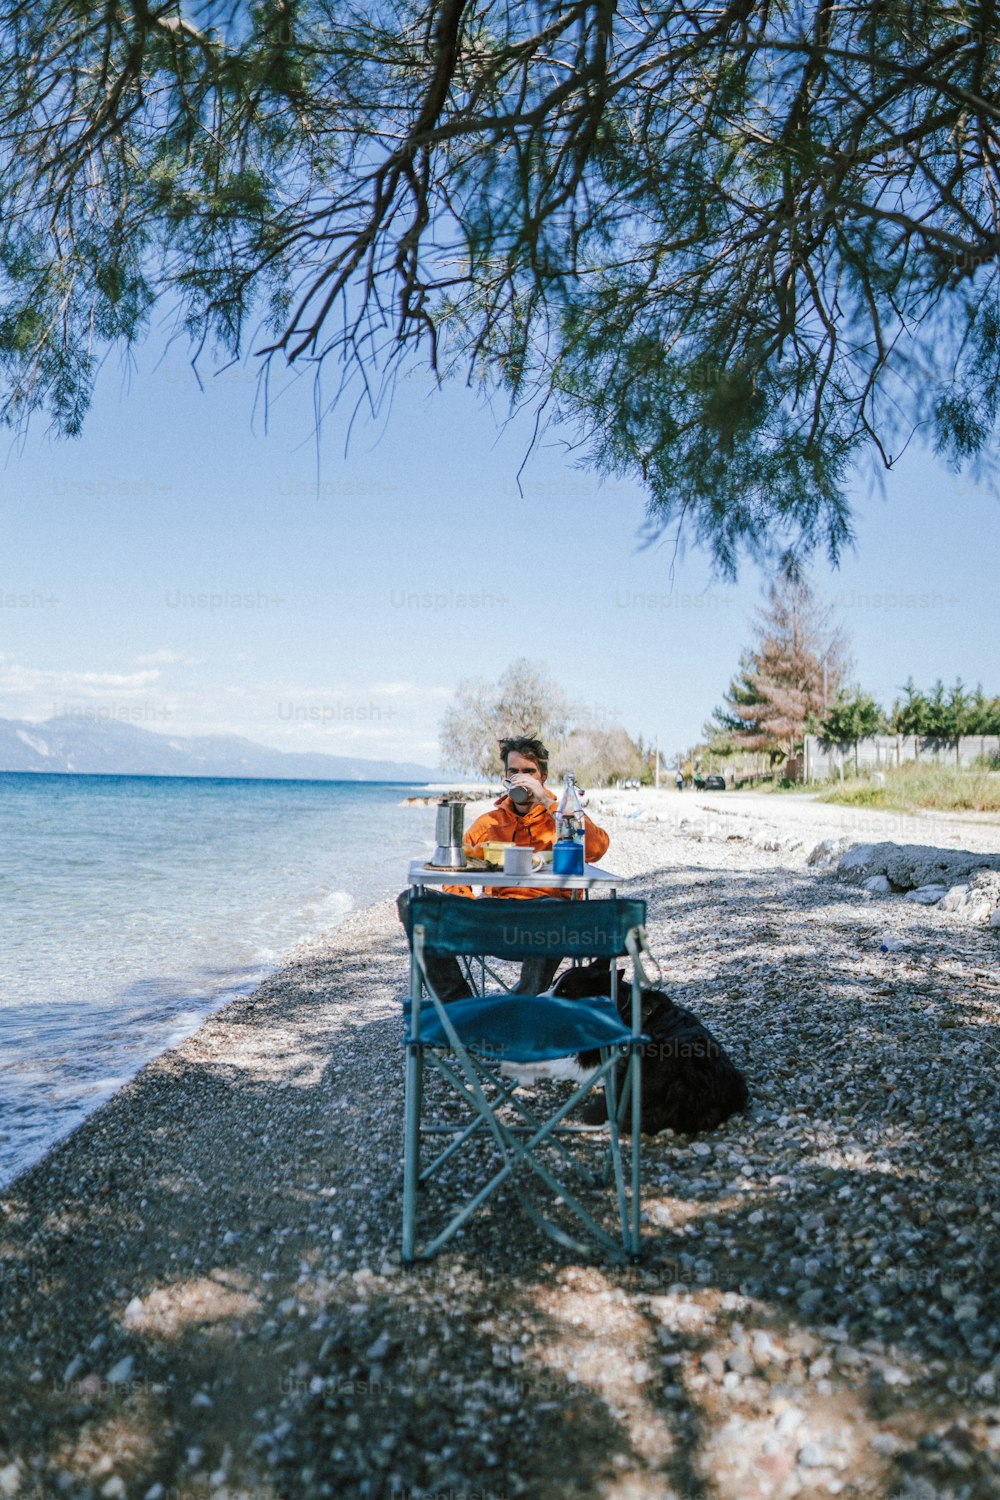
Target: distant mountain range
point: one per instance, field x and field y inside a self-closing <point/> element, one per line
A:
<point x="75" y="744"/>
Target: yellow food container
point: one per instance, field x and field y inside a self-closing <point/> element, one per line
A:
<point x="493" y="852"/>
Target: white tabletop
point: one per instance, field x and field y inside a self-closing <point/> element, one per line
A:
<point x="536" y="880"/>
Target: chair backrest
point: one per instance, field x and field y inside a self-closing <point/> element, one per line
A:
<point x="507" y="928"/>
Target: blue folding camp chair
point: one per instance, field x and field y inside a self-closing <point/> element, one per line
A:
<point x="468" y="1041"/>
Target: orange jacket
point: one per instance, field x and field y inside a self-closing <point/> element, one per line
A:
<point x="536" y="829"/>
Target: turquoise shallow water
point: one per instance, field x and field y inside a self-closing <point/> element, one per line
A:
<point x="133" y="906"/>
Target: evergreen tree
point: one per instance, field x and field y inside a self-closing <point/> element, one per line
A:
<point x="911" y="715"/>
<point x="855" y="716"/>
<point x="959" y="710"/>
<point x="939" y="716"/>
<point x="788" y="678"/>
<point x="945" y="715"/>
<point x="736" y="719"/>
<point x="984" y="713"/>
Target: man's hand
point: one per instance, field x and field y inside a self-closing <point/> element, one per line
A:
<point x="539" y="796"/>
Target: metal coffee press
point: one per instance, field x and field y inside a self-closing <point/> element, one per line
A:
<point x="449" y="854"/>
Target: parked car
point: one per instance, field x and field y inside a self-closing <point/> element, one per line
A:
<point x="715" y="783"/>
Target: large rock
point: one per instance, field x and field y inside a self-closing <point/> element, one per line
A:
<point x="828" y="852"/>
<point x="926" y="895"/>
<point x="977" y="900"/>
<point x="908" y="867"/>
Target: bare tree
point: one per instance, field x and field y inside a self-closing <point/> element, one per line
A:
<point x="598" y="752"/>
<point x="523" y="702"/>
<point x="732" y="246"/>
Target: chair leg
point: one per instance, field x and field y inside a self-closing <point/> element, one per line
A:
<point x="614" y="1108"/>
<point x="635" y="1065"/>
<point x="619" y="1107"/>
<point x="411" y="1148"/>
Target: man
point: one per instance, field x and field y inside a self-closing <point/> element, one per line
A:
<point x="533" y="825"/>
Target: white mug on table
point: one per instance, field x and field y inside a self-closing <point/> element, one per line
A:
<point x="521" y="861"/>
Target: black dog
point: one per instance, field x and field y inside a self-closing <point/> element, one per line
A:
<point x="689" y="1082"/>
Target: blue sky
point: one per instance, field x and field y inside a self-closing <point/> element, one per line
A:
<point x="184" y="569"/>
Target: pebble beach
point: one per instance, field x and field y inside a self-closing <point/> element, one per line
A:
<point x="201" y="1291"/>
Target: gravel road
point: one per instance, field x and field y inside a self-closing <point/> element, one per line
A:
<point x="201" y="1291"/>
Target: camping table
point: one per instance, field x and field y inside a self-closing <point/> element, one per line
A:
<point x="593" y="878"/>
<point x="420" y="878"/>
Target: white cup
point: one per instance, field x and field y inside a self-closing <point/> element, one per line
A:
<point x="520" y="861"/>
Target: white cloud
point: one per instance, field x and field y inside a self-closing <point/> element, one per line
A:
<point x="409" y="690"/>
<point x="167" y="658"/>
<point x="35" y="682"/>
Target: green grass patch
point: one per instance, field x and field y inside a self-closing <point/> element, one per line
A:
<point x="916" y="785"/>
<point x="782" y="785"/>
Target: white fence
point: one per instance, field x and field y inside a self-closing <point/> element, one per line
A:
<point x="822" y="760"/>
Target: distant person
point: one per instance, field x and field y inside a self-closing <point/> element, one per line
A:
<point x="679" y="782"/>
<point x="527" y="818"/>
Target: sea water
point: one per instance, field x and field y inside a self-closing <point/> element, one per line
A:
<point x="133" y="906"/>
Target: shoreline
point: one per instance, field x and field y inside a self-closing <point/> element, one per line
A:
<point x="202" y="1287"/>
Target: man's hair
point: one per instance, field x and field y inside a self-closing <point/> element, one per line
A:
<point x="532" y="749"/>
